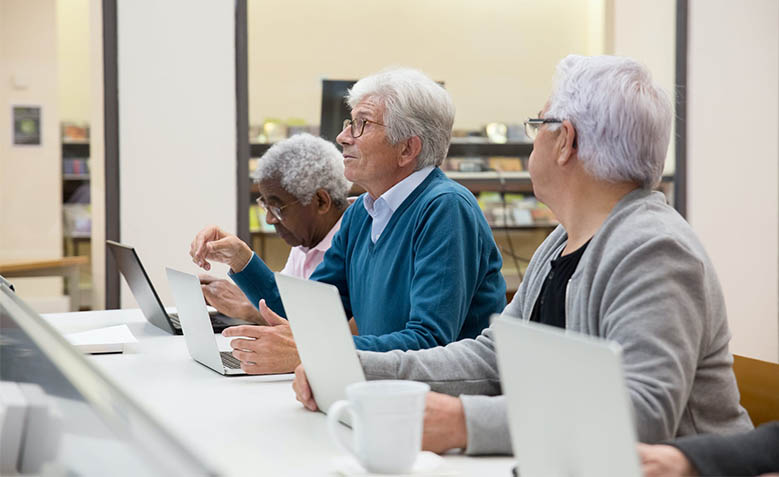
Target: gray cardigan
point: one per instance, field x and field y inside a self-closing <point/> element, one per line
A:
<point x="645" y="282"/>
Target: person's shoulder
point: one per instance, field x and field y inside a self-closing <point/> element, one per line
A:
<point x="644" y="221"/>
<point x="356" y="208"/>
<point x="442" y="188"/>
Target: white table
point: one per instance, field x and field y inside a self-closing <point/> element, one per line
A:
<point x="241" y="425"/>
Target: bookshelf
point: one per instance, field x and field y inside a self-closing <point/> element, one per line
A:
<point x="76" y="206"/>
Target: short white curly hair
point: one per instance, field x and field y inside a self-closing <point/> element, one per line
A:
<point x="622" y="117"/>
<point x="304" y="164"/>
<point x="414" y="105"/>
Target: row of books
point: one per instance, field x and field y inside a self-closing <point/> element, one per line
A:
<point x="75" y="166"/>
<point x="515" y="210"/>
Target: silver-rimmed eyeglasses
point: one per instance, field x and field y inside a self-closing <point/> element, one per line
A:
<point x="276" y="211"/>
<point x="533" y="124"/>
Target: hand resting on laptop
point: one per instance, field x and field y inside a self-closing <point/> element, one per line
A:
<point x="271" y="351"/>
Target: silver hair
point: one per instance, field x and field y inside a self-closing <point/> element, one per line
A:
<point x="622" y="118"/>
<point x="414" y="105"/>
<point x="304" y="164"/>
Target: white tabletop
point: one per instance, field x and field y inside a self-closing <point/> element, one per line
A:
<point x="241" y="425"/>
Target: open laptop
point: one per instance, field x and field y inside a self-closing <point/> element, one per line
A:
<point x="198" y="334"/>
<point x="321" y="330"/>
<point x="131" y="267"/>
<point x="568" y="406"/>
<point x="200" y="340"/>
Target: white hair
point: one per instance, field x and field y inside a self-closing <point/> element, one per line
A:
<point x="304" y="164"/>
<point x="414" y="105"/>
<point x="622" y="118"/>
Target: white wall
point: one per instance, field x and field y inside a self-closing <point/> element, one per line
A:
<point x="97" y="153"/>
<point x="177" y="128"/>
<point x="30" y="176"/>
<point x="733" y="157"/>
<point x="646" y="31"/>
<point x="73" y="52"/>
<point x="496" y="57"/>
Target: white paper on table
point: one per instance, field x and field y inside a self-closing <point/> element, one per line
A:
<point x="102" y="340"/>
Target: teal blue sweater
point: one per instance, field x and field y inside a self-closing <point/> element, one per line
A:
<point x="432" y="277"/>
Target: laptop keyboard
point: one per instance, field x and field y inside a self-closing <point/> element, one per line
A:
<point x="229" y="360"/>
<point x="174" y="319"/>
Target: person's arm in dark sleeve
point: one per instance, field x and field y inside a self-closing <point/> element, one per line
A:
<point x="256" y="281"/>
<point x="754" y="452"/>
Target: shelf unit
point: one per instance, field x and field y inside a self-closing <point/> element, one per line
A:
<point x="77" y="243"/>
<point x="457" y="148"/>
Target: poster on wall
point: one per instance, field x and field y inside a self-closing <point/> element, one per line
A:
<point x="26" y="122"/>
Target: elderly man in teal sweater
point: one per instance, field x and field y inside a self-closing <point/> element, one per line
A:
<point x="415" y="261"/>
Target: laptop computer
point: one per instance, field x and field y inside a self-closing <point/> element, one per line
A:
<point x="568" y="406"/>
<point x="321" y="330"/>
<point x="200" y="340"/>
<point x="132" y="269"/>
<point x="198" y="335"/>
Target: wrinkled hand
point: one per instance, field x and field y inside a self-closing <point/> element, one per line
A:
<point x="444" y="427"/>
<point x="271" y="351"/>
<point x="228" y="299"/>
<point x="216" y="245"/>
<point x="303" y="390"/>
<point x="664" y="461"/>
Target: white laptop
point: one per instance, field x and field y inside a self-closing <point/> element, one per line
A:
<point x="325" y="345"/>
<point x="569" y="410"/>
<point x="196" y="324"/>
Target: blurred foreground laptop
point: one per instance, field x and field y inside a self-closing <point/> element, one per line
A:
<point x="321" y="330"/>
<point x="568" y="406"/>
<point x="200" y="340"/>
<point x="132" y="269"/>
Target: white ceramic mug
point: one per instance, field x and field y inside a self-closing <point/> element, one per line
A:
<point x="386" y="418"/>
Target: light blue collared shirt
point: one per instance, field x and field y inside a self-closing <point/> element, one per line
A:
<point x="381" y="209"/>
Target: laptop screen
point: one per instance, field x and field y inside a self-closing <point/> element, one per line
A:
<point x="149" y="302"/>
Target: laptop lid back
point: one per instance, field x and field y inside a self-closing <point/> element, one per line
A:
<point x="321" y="330"/>
<point x="193" y="314"/>
<point x="145" y="295"/>
<point x="569" y="410"/>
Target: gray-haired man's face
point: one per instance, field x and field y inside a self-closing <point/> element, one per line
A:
<point x="369" y="159"/>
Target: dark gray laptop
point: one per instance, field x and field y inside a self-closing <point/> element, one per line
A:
<point x="132" y="269"/>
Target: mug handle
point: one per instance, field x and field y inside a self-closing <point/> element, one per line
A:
<point x="333" y="426"/>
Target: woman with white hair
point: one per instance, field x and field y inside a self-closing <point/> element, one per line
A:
<point x="303" y="191"/>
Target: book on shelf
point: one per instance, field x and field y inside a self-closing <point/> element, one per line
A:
<point x="75" y="166"/>
<point x="515" y="210"/>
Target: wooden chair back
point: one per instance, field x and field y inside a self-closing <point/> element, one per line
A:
<point x="758" y="383"/>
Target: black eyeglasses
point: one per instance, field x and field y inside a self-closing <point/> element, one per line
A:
<point x="357" y="126"/>
<point x="532" y="125"/>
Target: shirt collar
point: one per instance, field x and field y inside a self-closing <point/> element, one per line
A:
<point x="325" y="243"/>
<point x="399" y="192"/>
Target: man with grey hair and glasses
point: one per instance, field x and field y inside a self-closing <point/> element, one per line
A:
<point x="622" y="265"/>
<point x="415" y="262"/>
<point x="303" y="191"/>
